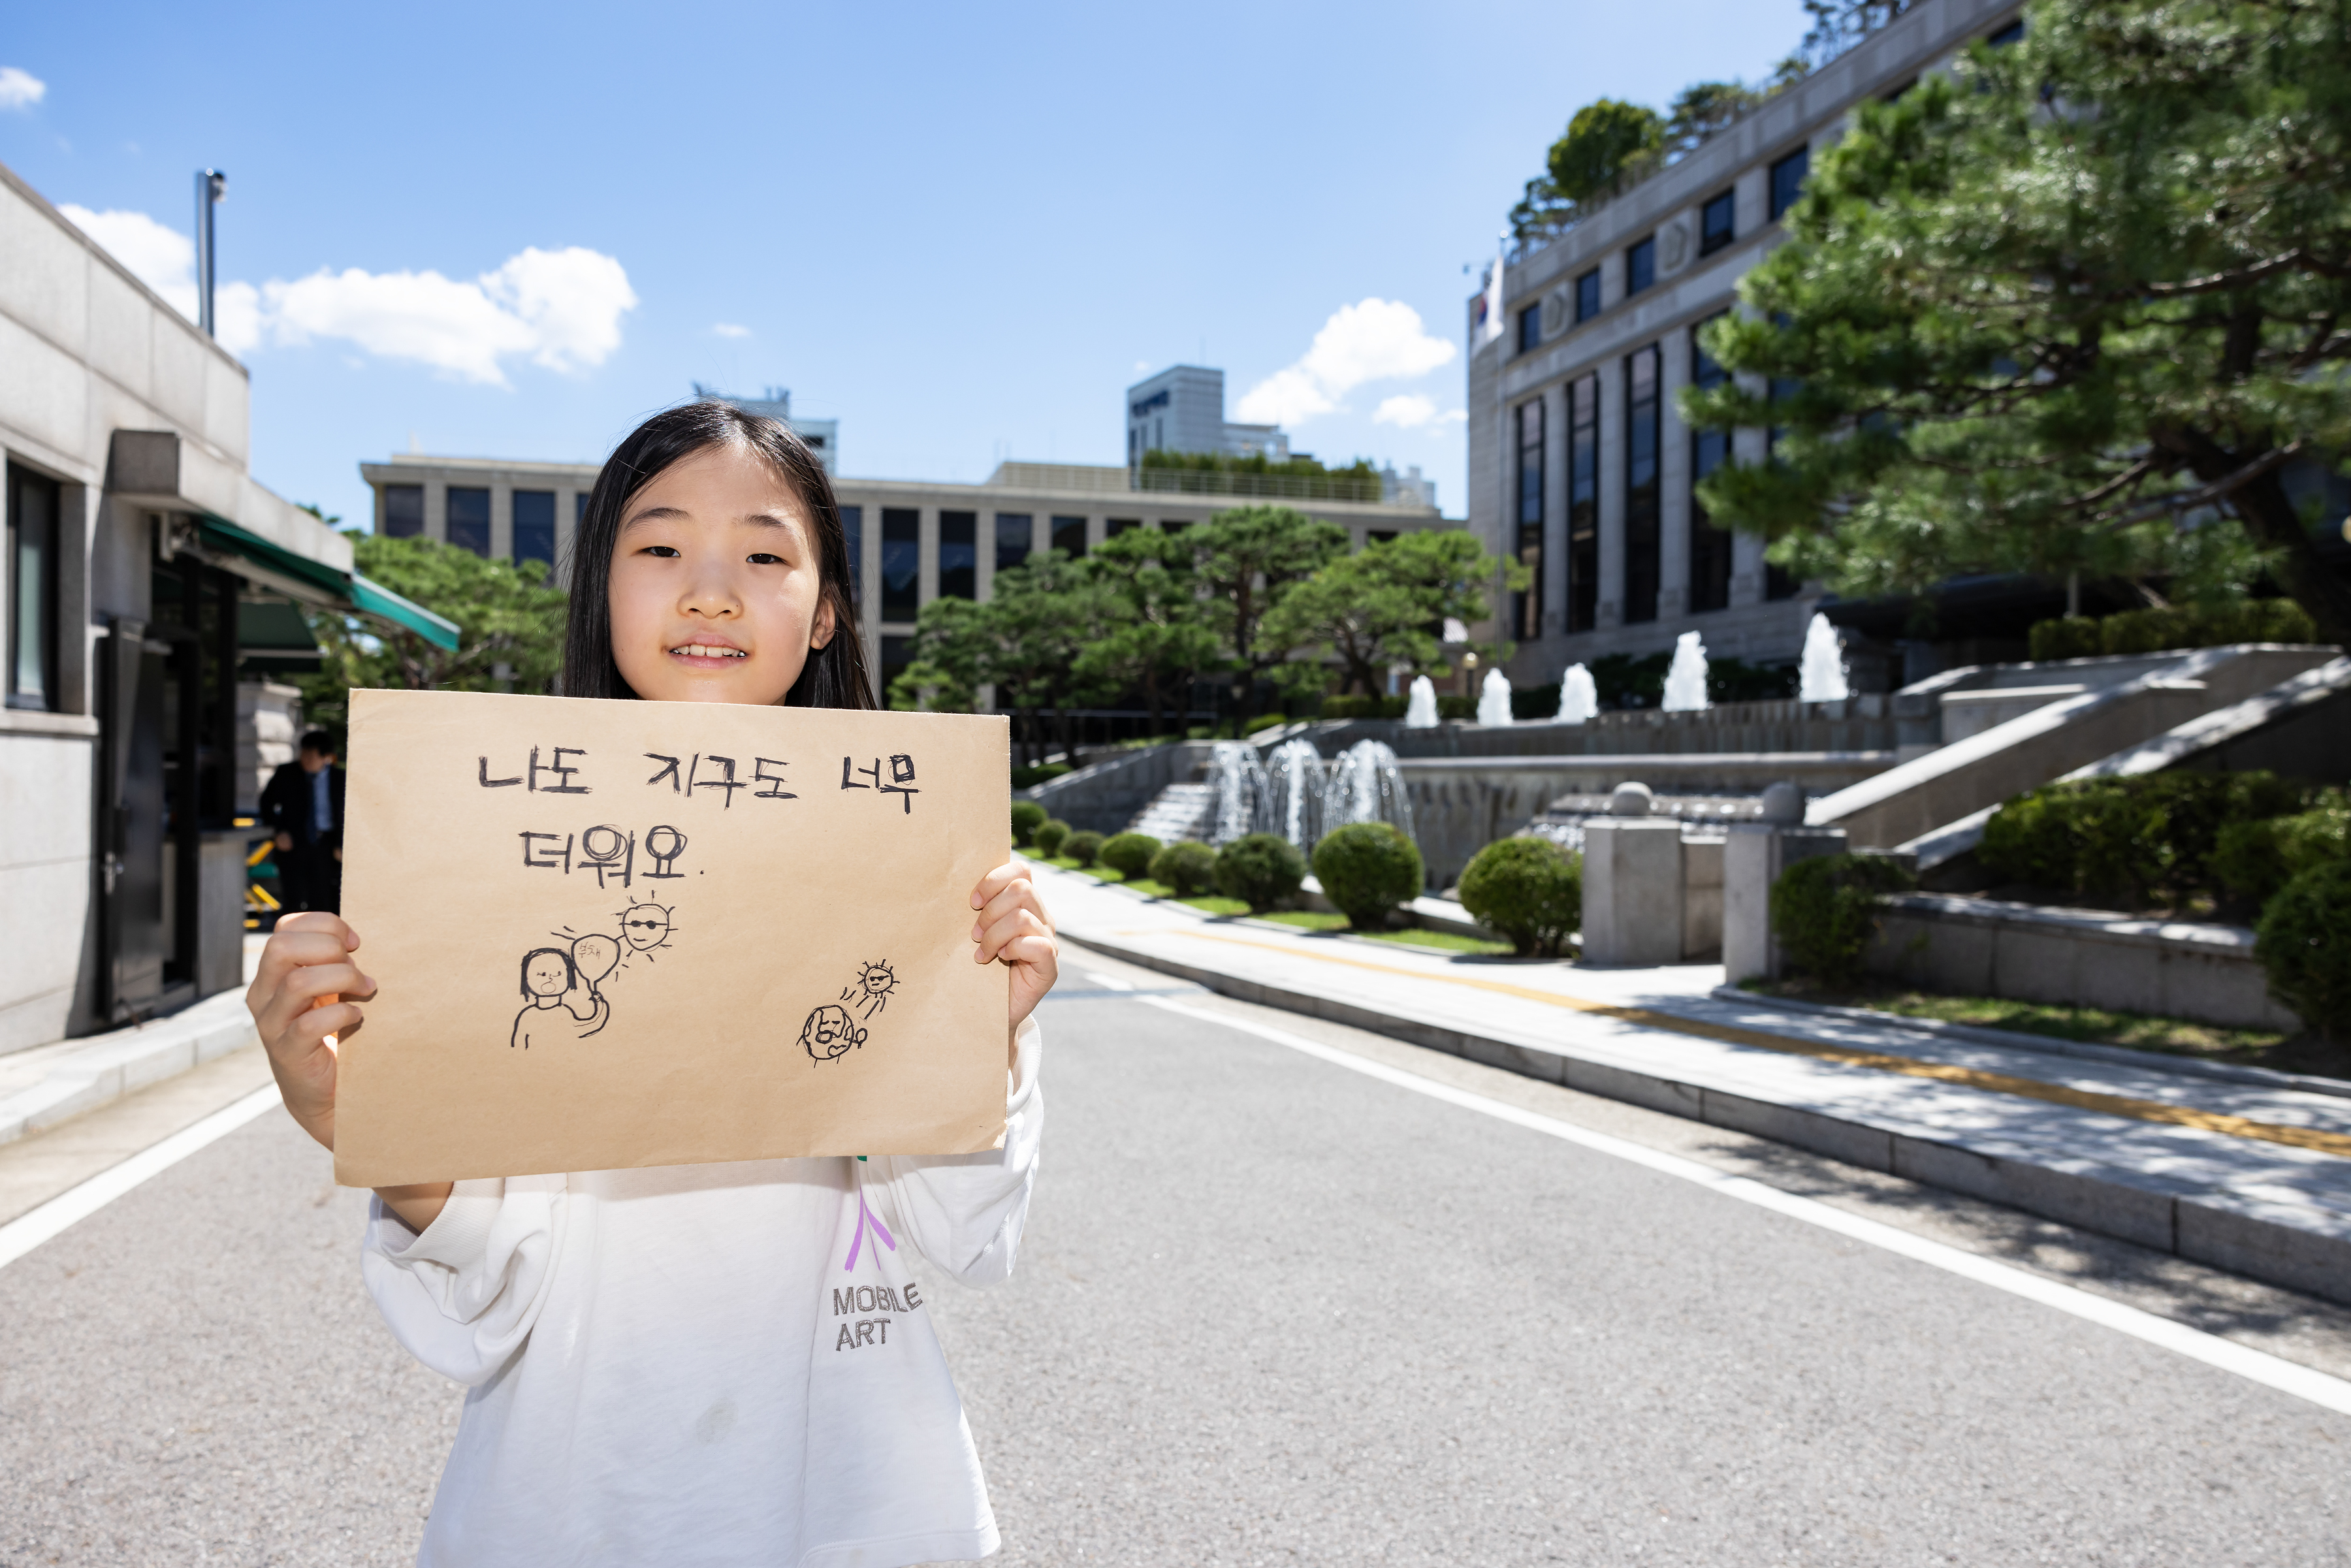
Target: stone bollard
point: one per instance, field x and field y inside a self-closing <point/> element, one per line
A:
<point x="1752" y="860"/>
<point x="1631" y="882"/>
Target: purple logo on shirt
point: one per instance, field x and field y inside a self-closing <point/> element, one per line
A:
<point x="866" y="1217"/>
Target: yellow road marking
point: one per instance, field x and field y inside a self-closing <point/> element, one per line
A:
<point x="2325" y="1143"/>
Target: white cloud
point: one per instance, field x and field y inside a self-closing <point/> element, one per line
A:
<point x="1374" y="339"/>
<point x="560" y="308"/>
<point x="1410" y="411"/>
<point x="20" y="88"/>
<point x="729" y="330"/>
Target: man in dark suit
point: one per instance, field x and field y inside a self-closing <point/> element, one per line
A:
<point x="304" y="803"/>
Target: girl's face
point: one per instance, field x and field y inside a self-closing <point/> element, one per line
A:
<point x="716" y="596"/>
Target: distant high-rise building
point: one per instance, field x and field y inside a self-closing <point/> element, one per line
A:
<point x="822" y="436"/>
<point x="1182" y="409"/>
<point x="1407" y="488"/>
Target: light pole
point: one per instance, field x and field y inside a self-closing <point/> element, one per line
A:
<point x="211" y="186"/>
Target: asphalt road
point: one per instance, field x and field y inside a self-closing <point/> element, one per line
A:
<point x="1274" y="1311"/>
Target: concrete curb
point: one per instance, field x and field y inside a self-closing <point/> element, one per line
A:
<point x="2050" y="1045"/>
<point x="2277" y="1253"/>
<point x="83" y="1074"/>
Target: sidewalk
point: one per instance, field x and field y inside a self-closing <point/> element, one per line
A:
<point x="2243" y="1171"/>
<point x="51" y="1084"/>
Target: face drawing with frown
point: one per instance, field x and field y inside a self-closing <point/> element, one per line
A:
<point x="545" y="974"/>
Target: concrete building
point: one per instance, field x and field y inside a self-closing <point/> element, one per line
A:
<point x="1579" y="463"/>
<point x="910" y="541"/>
<point x="1183" y="410"/>
<point x="149" y="584"/>
<point x="822" y="436"/>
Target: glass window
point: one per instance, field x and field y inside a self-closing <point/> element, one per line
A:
<point x="534" y="527"/>
<point x="1118" y="526"/>
<point x="469" y="518"/>
<point x="902" y="564"/>
<point x="853" y="534"/>
<point x="1379" y="536"/>
<point x="34" y="543"/>
<point x="1788" y="179"/>
<point x="1174" y="527"/>
<point x="2000" y="38"/>
<point x="1709" y="547"/>
<point x="1070" y="537"/>
<point x="1641" y="265"/>
<point x="1014" y="533"/>
<point x="579" y="509"/>
<point x="1583" y="502"/>
<point x="1718" y="223"/>
<point x="1530" y="328"/>
<point x="1587" y="296"/>
<point x="958" y="554"/>
<point x="1643" y="414"/>
<point x="403" y="511"/>
<point x="1527" y="618"/>
<point x="894" y="658"/>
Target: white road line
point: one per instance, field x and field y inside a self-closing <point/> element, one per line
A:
<point x="2258" y="1367"/>
<point x="26" y="1231"/>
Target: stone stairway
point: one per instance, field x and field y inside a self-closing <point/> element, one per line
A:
<point x="1178" y="813"/>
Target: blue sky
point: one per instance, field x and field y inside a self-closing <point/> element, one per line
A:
<point x="514" y="230"/>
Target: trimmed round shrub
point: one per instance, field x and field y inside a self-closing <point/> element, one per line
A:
<point x="1528" y="889"/>
<point x="1263" y="870"/>
<point x="1049" y="836"/>
<point x="2301" y="944"/>
<point x="1824" y="911"/>
<point x="1129" y="854"/>
<point x="2129" y="835"/>
<point x="1367" y="869"/>
<point x="1186" y="869"/>
<point x="2258" y="858"/>
<point x="1027" y="817"/>
<point x="1081" y="847"/>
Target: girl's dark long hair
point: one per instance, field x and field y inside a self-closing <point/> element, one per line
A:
<point x="834" y="675"/>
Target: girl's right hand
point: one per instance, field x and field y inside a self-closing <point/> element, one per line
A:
<point x="308" y="956"/>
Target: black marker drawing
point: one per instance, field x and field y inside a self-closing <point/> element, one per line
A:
<point x="871" y="990"/>
<point x="646" y="926"/>
<point x="830" y="1032"/>
<point x="564" y="987"/>
<point x="664" y="843"/>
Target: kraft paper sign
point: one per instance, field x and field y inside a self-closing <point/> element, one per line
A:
<point x="611" y="934"/>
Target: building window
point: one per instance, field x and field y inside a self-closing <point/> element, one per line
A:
<point x="894" y="649"/>
<point x="1014" y="532"/>
<point x="403" y="511"/>
<point x="1709" y="547"/>
<point x="1070" y="537"/>
<point x="958" y="554"/>
<point x="1583" y="502"/>
<point x="901" y="566"/>
<point x="32" y="550"/>
<point x="469" y="518"/>
<point x="1641" y="266"/>
<point x="1788" y="179"/>
<point x="1718" y="223"/>
<point x="1641" y="428"/>
<point x="1379" y="536"/>
<point x="1529" y="328"/>
<point x="1587" y="296"/>
<point x="1173" y="526"/>
<point x="1118" y="526"/>
<point x="1527" y="623"/>
<point x="534" y="527"/>
<point x="853" y="533"/>
<point x="2000" y="38"/>
<point x="579" y="509"/>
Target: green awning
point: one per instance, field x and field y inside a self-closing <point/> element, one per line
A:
<point x="347" y="588"/>
<point x="375" y="599"/>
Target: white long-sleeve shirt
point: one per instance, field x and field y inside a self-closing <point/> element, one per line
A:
<point x="719" y="1366"/>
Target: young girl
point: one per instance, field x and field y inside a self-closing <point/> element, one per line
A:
<point x="694" y="1365"/>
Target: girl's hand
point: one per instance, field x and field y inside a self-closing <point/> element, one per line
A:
<point x="1012" y="928"/>
<point x="308" y="957"/>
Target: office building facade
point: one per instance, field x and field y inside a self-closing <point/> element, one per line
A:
<point x="1182" y="409"/>
<point x="1580" y="466"/>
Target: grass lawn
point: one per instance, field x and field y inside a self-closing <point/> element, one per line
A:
<point x="2096" y="1026"/>
<point x="1442" y="941"/>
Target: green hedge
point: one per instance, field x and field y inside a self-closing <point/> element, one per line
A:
<point x="1824" y="911"/>
<point x="1029" y="777"/>
<point x="1363" y="708"/>
<point x="2301" y="944"/>
<point x="1082" y="847"/>
<point x="1129" y="854"/>
<point x="2257" y="857"/>
<point x="1027" y="817"/>
<point x="2178" y="626"/>
<point x="1456" y="707"/>
<point x="1263" y="870"/>
<point x="1048" y="837"/>
<point x="1186" y="869"/>
<point x="2134" y="835"/>
<point x="1529" y="889"/>
<point x="1367" y="869"/>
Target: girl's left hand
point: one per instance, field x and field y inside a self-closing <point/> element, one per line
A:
<point x="1013" y="927"/>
